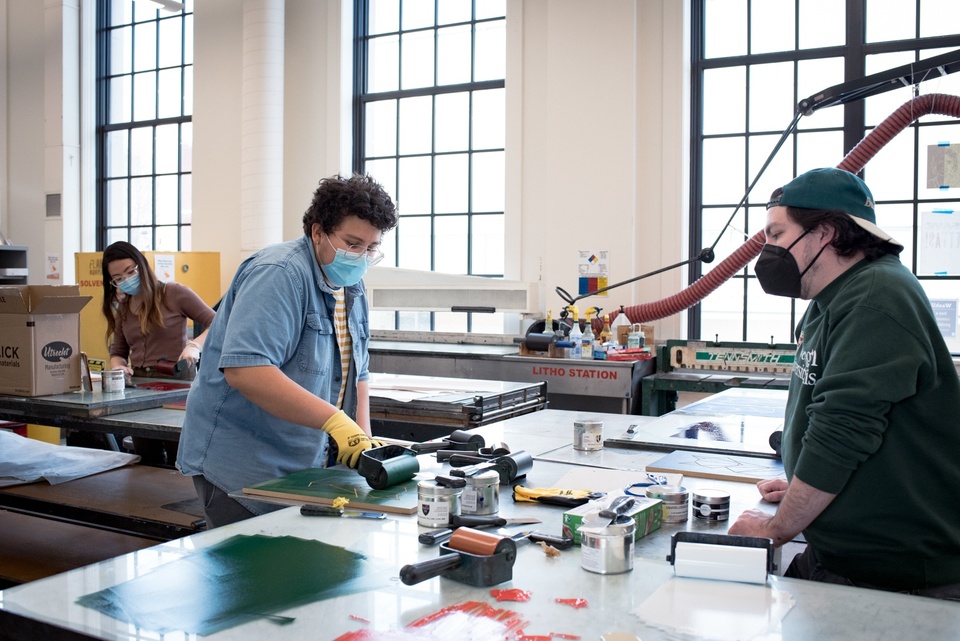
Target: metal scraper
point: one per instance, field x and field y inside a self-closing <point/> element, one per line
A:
<point x="606" y="516"/>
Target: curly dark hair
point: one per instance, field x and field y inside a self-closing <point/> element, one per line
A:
<point x="850" y="237"/>
<point x="359" y="195"/>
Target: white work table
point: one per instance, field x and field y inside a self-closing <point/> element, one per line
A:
<point x="47" y="608"/>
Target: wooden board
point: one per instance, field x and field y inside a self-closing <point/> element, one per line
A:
<point x="322" y="486"/>
<point x="723" y="467"/>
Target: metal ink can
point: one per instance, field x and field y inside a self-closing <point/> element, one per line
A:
<point x="608" y="550"/>
<point x="588" y="435"/>
<point x="675" y="500"/>
<point x="436" y="504"/>
<point x="481" y="496"/>
<point x="712" y="505"/>
<point x="113" y="380"/>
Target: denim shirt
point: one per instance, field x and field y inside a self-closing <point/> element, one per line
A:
<point x="278" y="311"/>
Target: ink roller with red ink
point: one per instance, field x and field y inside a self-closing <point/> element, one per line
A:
<point x="470" y="556"/>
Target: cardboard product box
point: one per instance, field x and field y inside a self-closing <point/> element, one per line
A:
<point x="647" y="514"/>
<point x="40" y="339"/>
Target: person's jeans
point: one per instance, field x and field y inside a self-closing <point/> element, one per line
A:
<point x="806" y="566"/>
<point x="218" y="508"/>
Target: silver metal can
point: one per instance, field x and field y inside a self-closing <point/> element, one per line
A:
<point x="481" y="496"/>
<point x="113" y="380"/>
<point x="712" y="505"/>
<point x="588" y="435"/>
<point x="675" y="501"/>
<point x="608" y="550"/>
<point x="436" y="504"/>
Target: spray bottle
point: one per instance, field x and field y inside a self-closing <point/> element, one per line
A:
<point x="548" y="322"/>
<point x="586" y="351"/>
<point x="606" y="334"/>
<point x="576" y="336"/>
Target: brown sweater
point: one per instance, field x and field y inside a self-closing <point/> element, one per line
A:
<point x="161" y="343"/>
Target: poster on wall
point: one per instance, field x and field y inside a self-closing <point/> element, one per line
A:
<point x="52" y="272"/>
<point x="163" y="265"/>
<point x="943" y="166"/>
<point x="593" y="270"/>
<point x="939" y="240"/>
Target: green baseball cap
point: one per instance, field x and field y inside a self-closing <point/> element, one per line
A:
<point x="832" y="189"/>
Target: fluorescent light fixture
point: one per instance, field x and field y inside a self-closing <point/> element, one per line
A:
<point x="165" y="5"/>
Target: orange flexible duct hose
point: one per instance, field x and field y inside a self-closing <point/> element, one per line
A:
<point x="853" y="162"/>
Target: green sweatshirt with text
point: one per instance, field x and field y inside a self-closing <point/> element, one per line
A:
<point x="873" y="416"/>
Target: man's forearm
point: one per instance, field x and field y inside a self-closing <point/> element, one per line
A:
<point x="800" y="506"/>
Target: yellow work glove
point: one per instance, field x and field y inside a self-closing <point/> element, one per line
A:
<point x="350" y="439"/>
<point x="553" y="495"/>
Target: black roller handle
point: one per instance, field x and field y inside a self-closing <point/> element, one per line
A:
<point x="559" y="542"/>
<point x="414" y="573"/>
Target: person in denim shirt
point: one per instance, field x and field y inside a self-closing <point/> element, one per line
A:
<point x="280" y="382"/>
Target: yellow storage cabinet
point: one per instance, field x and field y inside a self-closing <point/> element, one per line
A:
<point x="200" y="271"/>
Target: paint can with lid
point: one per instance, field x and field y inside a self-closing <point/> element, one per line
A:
<point x="481" y="496"/>
<point x="588" y="435"/>
<point x="436" y="504"/>
<point x="675" y="500"/>
<point x="113" y="380"/>
<point x="608" y="550"/>
<point x="711" y="505"/>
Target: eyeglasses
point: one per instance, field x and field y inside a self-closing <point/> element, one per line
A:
<point x="129" y="272"/>
<point x="373" y="255"/>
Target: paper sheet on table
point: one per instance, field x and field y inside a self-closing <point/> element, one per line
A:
<point x="27" y="460"/>
<point x="603" y="480"/>
<point x="410" y="388"/>
<point x="716" y="610"/>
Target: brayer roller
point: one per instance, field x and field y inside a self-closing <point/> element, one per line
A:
<point x="470" y="556"/>
<point x="700" y="555"/>
<point x="386" y="466"/>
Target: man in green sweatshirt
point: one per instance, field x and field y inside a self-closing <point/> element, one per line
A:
<point x="872" y="426"/>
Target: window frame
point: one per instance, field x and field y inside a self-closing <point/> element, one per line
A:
<point x="854" y="52"/>
<point x="362" y="99"/>
<point x="106" y="233"/>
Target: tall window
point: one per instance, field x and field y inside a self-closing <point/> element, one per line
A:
<point x="430" y="127"/>
<point x="145" y="133"/>
<point x="753" y="62"/>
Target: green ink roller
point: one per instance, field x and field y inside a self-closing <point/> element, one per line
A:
<point x="389" y="465"/>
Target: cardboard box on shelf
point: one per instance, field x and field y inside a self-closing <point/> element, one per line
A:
<point x="40" y="339"/>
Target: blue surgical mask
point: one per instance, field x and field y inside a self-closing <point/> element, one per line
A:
<point x="131" y="286"/>
<point x="343" y="272"/>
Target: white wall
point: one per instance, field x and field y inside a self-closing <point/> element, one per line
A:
<point x="596" y="141"/>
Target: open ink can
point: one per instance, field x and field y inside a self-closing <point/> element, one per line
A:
<point x="608" y="550"/>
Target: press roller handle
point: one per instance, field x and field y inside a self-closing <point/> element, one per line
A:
<point x="414" y="573"/>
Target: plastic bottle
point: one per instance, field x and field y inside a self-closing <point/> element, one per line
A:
<point x="586" y="341"/>
<point x="633" y="339"/>
<point x="576" y="335"/>
<point x="548" y="322"/>
<point x="606" y="334"/>
<point x="620" y="321"/>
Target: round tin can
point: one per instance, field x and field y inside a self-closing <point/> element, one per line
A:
<point x="675" y="501"/>
<point x="713" y="505"/>
<point x="112" y="380"/>
<point x="608" y="550"/>
<point x="588" y="435"/>
<point x="436" y="504"/>
<point x="481" y="495"/>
